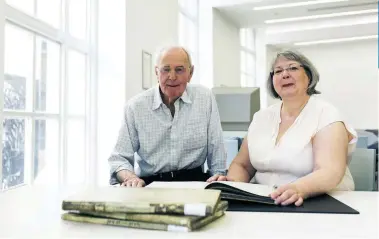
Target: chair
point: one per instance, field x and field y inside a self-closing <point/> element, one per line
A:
<point x="362" y="168"/>
<point x="231" y="145"/>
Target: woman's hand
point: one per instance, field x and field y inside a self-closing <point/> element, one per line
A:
<point x="287" y="194"/>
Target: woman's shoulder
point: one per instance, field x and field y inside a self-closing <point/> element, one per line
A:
<point x="269" y="111"/>
<point x="322" y="104"/>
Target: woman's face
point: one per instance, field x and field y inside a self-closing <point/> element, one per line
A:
<point x="289" y="78"/>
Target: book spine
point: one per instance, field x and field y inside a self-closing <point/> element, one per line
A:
<point x="198" y="209"/>
<point x="154" y="218"/>
<point x="205" y="221"/>
<point x="122" y="223"/>
<point x="106" y="207"/>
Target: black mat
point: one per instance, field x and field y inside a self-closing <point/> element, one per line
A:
<point x="320" y="204"/>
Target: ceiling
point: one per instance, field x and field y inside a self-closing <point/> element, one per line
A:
<point x="359" y="18"/>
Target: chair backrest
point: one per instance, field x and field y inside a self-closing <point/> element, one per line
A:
<point x="362" y="142"/>
<point x="362" y="168"/>
<point x="231" y="145"/>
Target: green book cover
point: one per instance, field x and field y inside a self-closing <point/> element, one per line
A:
<point x="196" y="202"/>
<point x="180" y="220"/>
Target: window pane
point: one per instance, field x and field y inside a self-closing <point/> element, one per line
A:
<point x="18" y="66"/>
<point x="76" y="82"/>
<point x="13" y="152"/>
<point x="190" y="6"/>
<point x="49" y="11"/>
<point x="75" y="151"/>
<point x="46" y="152"/>
<point x="77" y="18"/>
<point x="243" y="37"/>
<point x="187" y="33"/>
<point x="243" y="61"/>
<point x="250" y="63"/>
<point x="26" y="6"/>
<point x="250" y="39"/>
<point x="247" y="80"/>
<point x="47" y="76"/>
<point x="243" y="80"/>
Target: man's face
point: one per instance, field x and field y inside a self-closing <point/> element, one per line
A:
<point x="173" y="72"/>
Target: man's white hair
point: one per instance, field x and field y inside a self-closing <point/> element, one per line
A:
<point x="162" y="50"/>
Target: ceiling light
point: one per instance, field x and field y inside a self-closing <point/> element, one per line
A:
<point x="338" y="14"/>
<point x="336" y="40"/>
<point x="327" y="25"/>
<point x="297" y="4"/>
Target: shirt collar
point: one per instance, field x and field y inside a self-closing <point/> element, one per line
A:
<point x="157" y="101"/>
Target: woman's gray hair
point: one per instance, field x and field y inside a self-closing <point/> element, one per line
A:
<point x="309" y="68"/>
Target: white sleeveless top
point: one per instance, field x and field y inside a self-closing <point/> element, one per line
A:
<point x="292" y="157"/>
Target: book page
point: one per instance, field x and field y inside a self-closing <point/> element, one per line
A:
<point x="187" y="184"/>
<point x="258" y="189"/>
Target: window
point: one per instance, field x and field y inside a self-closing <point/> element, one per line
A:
<point x="46" y="10"/>
<point x="45" y="94"/>
<point x="247" y="57"/>
<point x="188" y="29"/>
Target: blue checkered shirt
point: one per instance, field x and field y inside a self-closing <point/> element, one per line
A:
<point x="151" y="141"/>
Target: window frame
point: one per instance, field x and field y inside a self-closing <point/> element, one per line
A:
<point x="88" y="47"/>
<point x="248" y="51"/>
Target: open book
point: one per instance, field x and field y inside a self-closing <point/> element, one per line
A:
<point x="255" y="198"/>
<point x="239" y="191"/>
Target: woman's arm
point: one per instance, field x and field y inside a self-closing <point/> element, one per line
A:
<point x="330" y="147"/>
<point x="241" y="169"/>
<point x="330" y="158"/>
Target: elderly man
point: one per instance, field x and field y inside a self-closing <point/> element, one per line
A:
<point x="169" y="130"/>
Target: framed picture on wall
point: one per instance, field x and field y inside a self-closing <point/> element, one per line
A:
<point x="147" y="65"/>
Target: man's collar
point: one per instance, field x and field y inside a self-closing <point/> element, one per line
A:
<point x="185" y="97"/>
<point x="157" y="101"/>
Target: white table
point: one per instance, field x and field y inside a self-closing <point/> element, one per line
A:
<point x="34" y="212"/>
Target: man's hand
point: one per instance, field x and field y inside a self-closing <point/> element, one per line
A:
<point x="129" y="179"/>
<point x="133" y="182"/>
<point x="287" y="194"/>
<point x="218" y="177"/>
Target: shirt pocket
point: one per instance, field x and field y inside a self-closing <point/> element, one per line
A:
<point x="196" y="136"/>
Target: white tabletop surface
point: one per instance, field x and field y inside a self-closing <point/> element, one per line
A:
<point x="34" y="212"/>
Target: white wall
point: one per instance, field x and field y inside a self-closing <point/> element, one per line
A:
<point x="111" y="80"/>
<point x="205" y="67"/>
<point x="147" y="26"/>
<point x="226" y="51"/>
<point x="349" y="79"/>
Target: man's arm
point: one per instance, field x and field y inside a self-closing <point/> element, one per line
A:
<point x="216" y="156"/>
<point x="121" y="161"/>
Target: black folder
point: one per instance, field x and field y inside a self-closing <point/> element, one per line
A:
<point x="319" y="204"/>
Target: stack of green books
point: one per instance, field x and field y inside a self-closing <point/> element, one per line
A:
<point x="167" y="209"/>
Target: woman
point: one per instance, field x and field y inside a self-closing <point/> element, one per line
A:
<point x="299" y="145"/>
